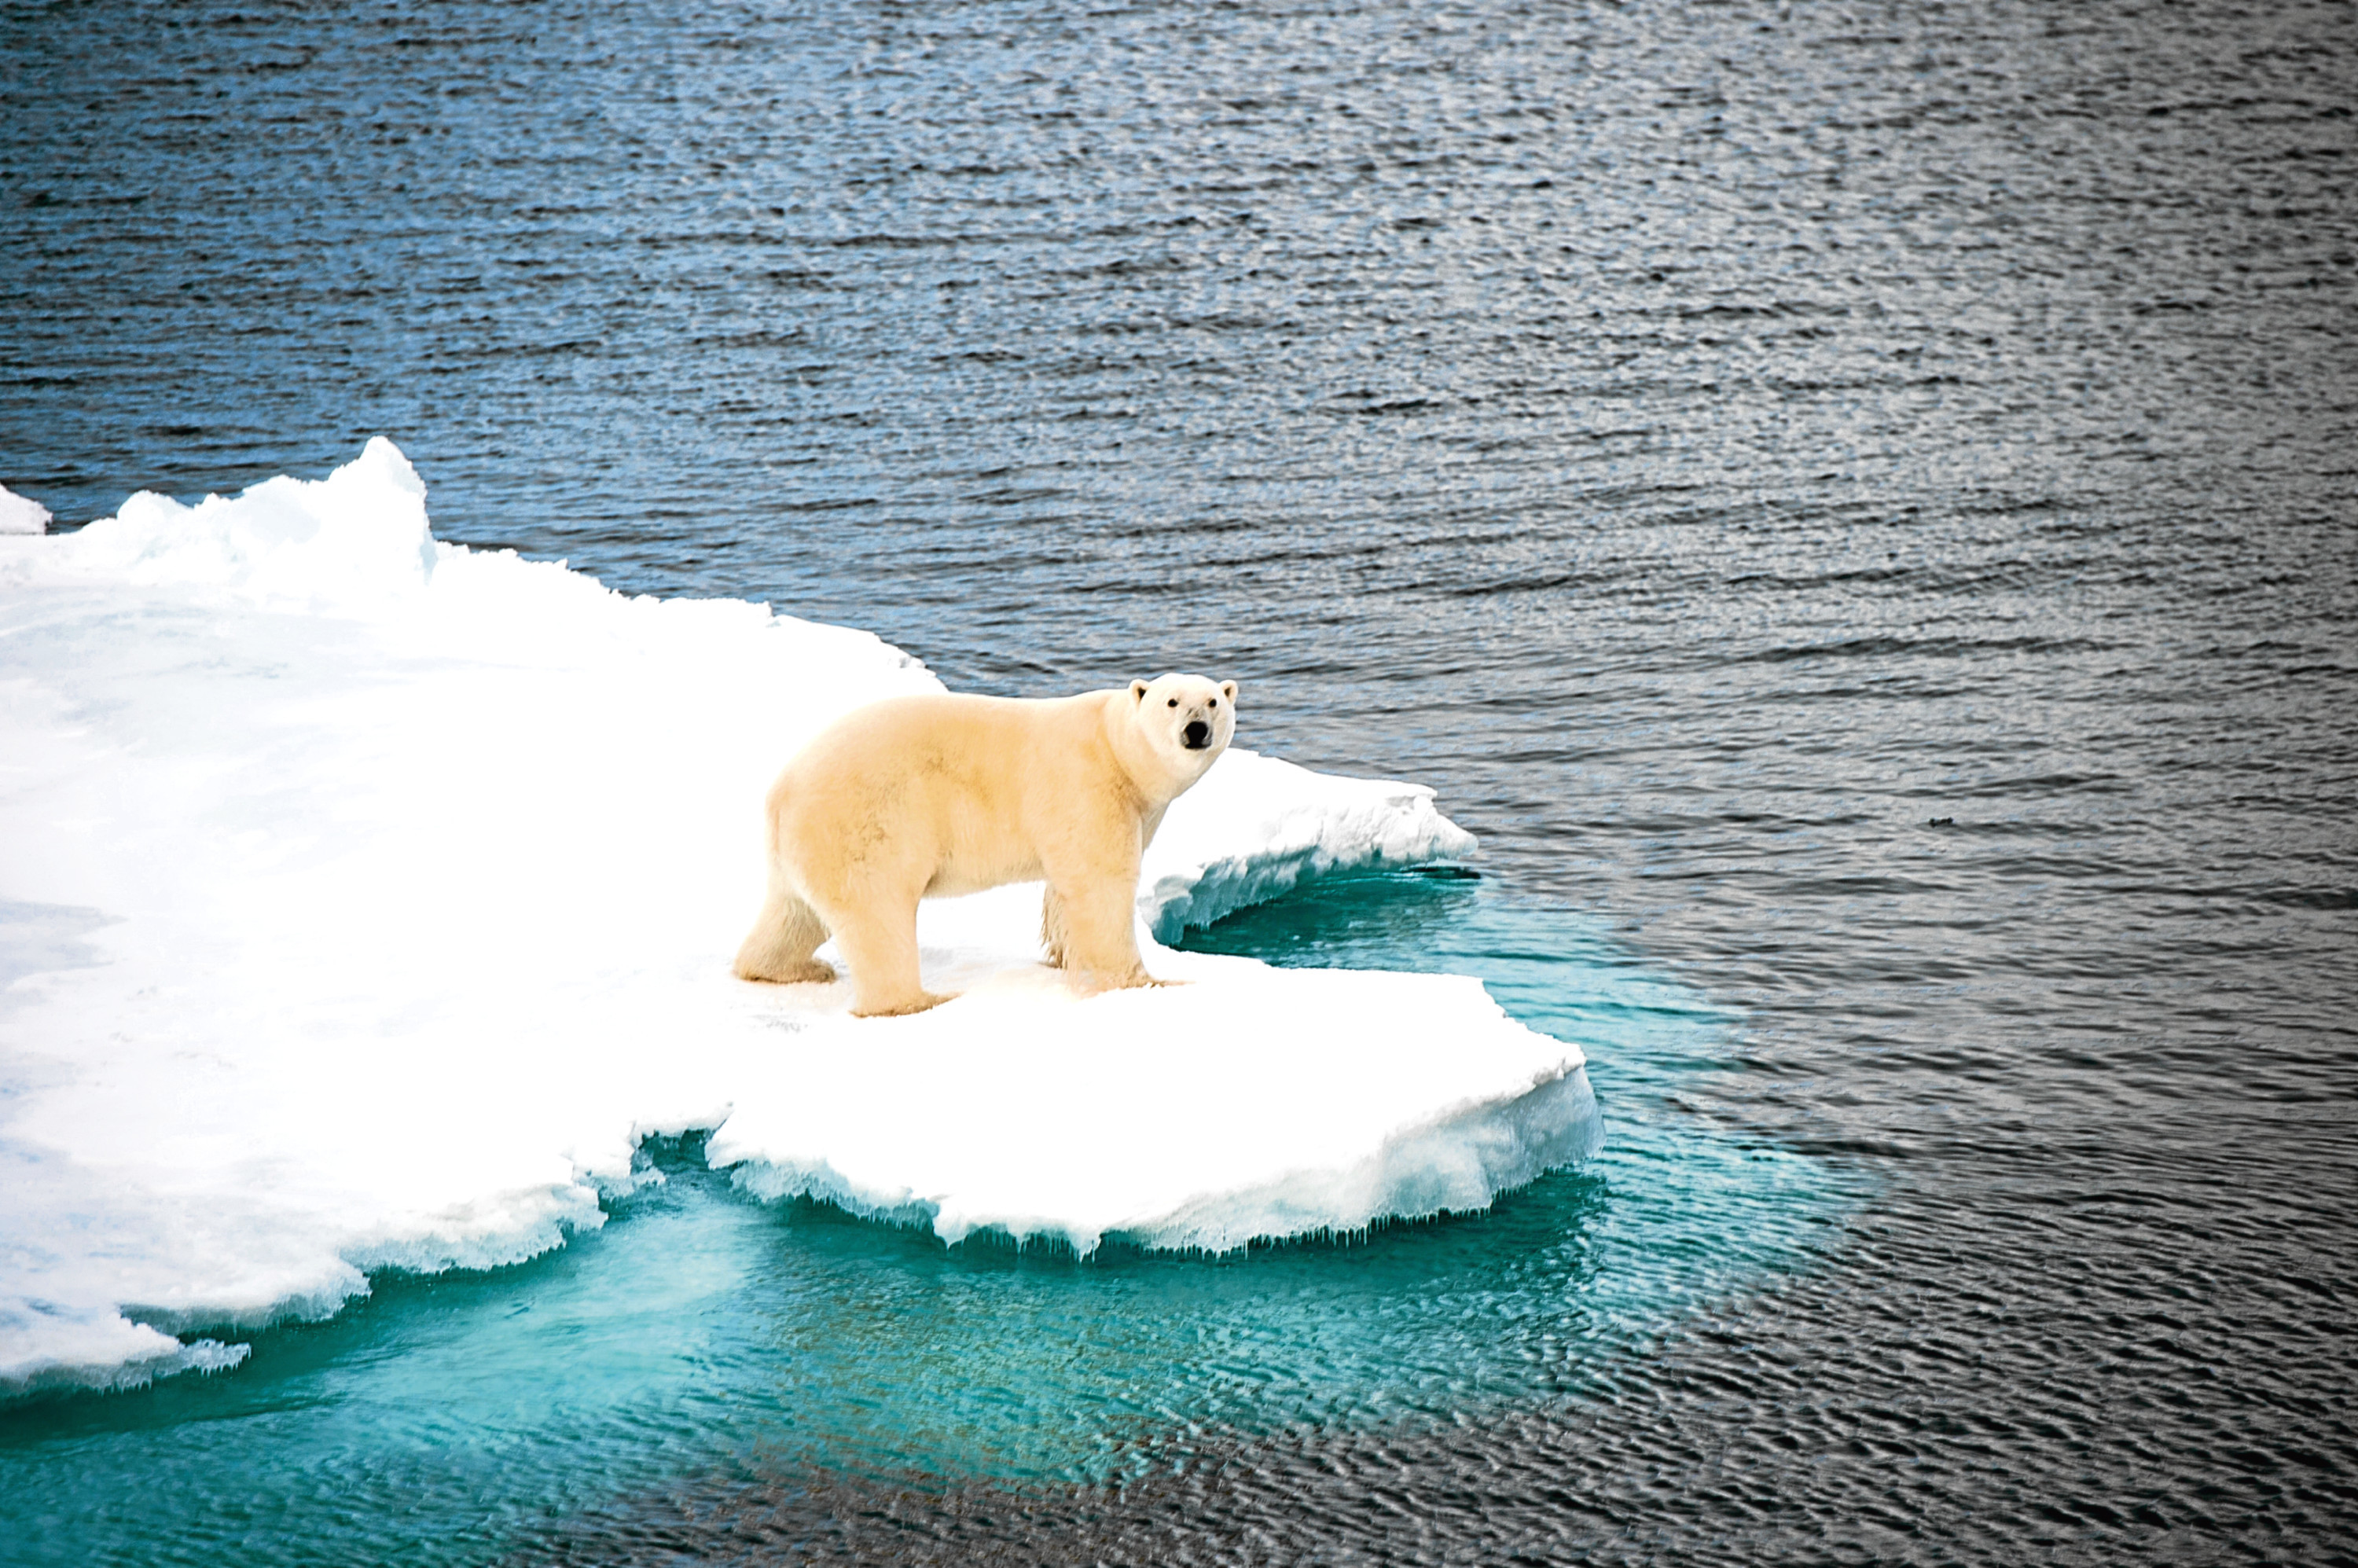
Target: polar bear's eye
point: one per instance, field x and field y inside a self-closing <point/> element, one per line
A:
<point x="1216" y="702"/>
<point x="1174" y="702"/>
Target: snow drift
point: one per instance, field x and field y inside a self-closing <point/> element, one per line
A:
<point x="365" y="900"/>
<point x="19" y="515"/>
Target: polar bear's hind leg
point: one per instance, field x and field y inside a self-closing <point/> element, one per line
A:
<point x="880" y="948"/>
<point x="785" y="935"/>
<point x="1052" y="935"/>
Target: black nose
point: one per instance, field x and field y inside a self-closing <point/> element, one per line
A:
<point x="1197" y="734"/>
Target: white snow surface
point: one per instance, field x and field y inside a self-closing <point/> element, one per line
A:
<point x="21" y="514"/>
<point x="365" y="900"/>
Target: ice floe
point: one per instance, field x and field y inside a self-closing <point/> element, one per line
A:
<point x="365" y="900"/>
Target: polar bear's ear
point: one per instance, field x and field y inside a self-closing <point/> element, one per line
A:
<point x="1137" y="691"/>
<point x="1228" y="690"/>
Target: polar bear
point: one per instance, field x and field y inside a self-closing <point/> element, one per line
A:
<point x="932" y="796"/>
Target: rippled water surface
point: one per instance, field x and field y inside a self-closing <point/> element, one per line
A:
<point x="1855" y="504"/>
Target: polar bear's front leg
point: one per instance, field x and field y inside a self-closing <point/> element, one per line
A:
<point x="1087" y="924"/>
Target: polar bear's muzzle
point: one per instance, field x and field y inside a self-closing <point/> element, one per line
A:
<point x="1197" y="735"/>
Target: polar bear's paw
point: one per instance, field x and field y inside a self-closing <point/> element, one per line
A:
<point x="810" y="972"/>
<point x="917" y="1003"/>
<point x="1088" y="985"/>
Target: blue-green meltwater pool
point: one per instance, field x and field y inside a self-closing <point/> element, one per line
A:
<point x="702" y="1335"/>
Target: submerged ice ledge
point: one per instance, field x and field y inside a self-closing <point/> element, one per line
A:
<point x="367" y="899"/>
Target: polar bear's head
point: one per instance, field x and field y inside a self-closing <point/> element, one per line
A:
<point x="1185" y="720"/>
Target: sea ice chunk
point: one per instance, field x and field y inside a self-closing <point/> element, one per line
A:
<point x="22" y="515"/>
<point x="363" y="900"/>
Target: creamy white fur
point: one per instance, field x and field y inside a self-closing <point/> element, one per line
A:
<point x="920" y="798"/>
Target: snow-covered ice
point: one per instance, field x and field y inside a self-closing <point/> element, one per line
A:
<point x="365" y="900"/>
<point x="21" y="514"/>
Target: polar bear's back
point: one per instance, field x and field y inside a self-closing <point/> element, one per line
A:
<point x="969" y="738"/>
<point x="942" y="788"/>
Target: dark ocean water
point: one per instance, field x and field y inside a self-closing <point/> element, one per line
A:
<point x="1857" y="506"/>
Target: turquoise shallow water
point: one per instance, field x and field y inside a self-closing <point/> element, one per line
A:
<point x="701" y="1337"/>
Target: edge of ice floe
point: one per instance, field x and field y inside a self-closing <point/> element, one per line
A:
<point x="157" y="1355"/>
<point x="1184" y="885"/>
<point x="22" y="514"/>
<point x="1459" y="1162"/>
